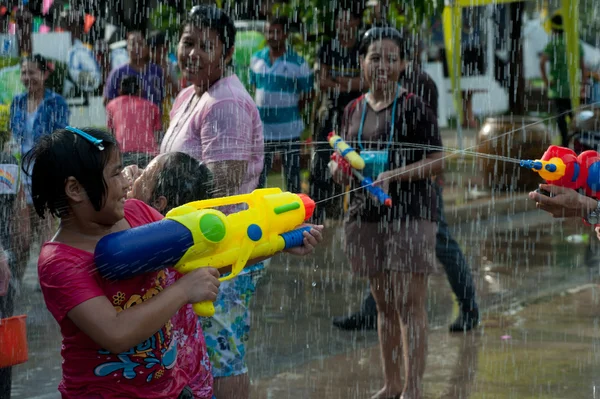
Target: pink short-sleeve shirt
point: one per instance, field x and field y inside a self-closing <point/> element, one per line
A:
<point x="223" y="125"/>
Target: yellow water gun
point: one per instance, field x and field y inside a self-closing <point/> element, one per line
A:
<point x="192" y="236"/>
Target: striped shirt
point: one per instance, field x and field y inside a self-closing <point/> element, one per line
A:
<point x="278" y="89"/>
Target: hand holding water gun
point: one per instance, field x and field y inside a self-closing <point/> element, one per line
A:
<point x="350" y="163"/>
<point x="192" y="236"/>
<point x="561" y="166"/>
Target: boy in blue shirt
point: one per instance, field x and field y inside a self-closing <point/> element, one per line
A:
<point x="283" y="84"/>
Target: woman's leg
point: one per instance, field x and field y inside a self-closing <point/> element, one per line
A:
<point x="411" y="299"/>
<point x="390" y="337"/>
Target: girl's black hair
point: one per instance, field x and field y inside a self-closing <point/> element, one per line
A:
<point x="40" y="60"/>
<point x="401" y="38"/>
<point x="63" y="154"/>
<point x="209" y="16"/>
<point x="130" y="86"/>
<point x="183" y="179"/>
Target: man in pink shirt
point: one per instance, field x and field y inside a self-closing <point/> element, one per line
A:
<point x="135" y="123"/>
<point x="216" y="121"/>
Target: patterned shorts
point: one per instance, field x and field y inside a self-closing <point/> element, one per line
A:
<point x="227" y="332"/>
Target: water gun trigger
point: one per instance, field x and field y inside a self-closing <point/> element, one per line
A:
<point x="243" y="258"/>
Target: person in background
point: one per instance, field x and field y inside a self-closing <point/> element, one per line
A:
<point x="557" y="83"/>
<point x="36" y="113"/>
<point x="135" y="123"/>
<point x="447" y="250"/>
<point x="160" y="45"/>
<point x="339" y="81"/>
<point x="148" y="73"/>
<point x="14" y="240"/>
<point x="216" y="121"/>
<point x="393" y="247"/>
<point x="84" y="72"/>
<point x="284" y="83"/>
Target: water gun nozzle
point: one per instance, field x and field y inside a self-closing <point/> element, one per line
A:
<point x="388" y="202"/>
<point x="309" y="206"/>
<point x="535" y="165"/>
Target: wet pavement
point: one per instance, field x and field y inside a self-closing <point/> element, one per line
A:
<point x="536" y="340"/>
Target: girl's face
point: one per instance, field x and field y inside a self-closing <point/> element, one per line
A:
<point x="382" y="64"/>
<point x="200" y="56"/>
<point x="32" y="77"/>
<point x="116" y="191"/>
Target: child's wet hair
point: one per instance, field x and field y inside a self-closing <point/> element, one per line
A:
<point x="65" y="154"/>
<point x="130" y="86"/>
<point x="183" y="179"/>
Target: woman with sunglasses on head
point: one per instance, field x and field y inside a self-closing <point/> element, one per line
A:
<point x="394" y="247"/>
<point x="216" y="121"/>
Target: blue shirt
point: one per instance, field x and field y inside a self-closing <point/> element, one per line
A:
<point x="278" y="89"/>
<point x="52" y="114"/>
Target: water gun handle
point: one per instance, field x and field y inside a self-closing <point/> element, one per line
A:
<point x="204" y="309"/>
<point x="294" y="238"/>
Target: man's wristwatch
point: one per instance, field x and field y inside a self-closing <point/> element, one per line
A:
<point x="594" y="216"/>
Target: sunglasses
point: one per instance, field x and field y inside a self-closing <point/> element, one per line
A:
<point x="91" y="139"/>
<point x="386" y="32"/>
<point x="210" y="12"/>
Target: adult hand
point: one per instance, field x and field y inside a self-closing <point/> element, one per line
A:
<point x="4" y="273"/>
<point x="564" y="202"/>
<point x="311" y="240"/>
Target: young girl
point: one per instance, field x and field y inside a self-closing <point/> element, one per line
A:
<point x="120" y="338"/>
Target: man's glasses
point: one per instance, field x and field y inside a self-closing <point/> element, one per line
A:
<point x="91" y="139"/>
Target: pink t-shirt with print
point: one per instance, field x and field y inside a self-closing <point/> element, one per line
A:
<point x="223" y="125"/>
<point x="159" y="367"/>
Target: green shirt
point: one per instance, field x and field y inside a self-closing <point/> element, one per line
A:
<point x="556" y="50"/>
<point x="246" y="44"/>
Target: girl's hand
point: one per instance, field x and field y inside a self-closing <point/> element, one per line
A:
<point x="597" y="229"/>
<point x="311" y="239"/>
<point x="131" y="173"/>
<point x="337" y="174"/>
<point x="200" y="285"/>
<point x="384" y="179"/>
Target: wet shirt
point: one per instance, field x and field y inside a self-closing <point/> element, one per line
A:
<point x="342" y="62"/>
<point x="415" y="125"/>
<point x="222" y="125"/>
<point x="151" y="82"/>
<point x="151" y="369"/>
<point x="279" y="86"/>
<point x="134" y="121"/>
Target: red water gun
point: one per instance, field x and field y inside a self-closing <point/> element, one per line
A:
<point x="561" y="166"/>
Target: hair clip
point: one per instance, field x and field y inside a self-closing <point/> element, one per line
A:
<point x="91" y="139"/>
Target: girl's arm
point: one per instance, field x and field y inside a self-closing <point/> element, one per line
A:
<point x="425" y="168"/>
<point x="119" y="331"/>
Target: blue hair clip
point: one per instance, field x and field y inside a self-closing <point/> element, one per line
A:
<point x="91" y="139"/>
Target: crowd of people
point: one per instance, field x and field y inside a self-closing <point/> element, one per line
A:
<point x="174" y="137"/>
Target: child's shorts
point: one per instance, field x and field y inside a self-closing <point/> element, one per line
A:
<point x="227" y="332"/>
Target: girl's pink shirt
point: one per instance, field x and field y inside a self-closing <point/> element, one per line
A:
<point x="160" y="367"/>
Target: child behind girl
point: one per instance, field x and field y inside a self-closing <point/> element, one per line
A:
<point x="119" y="340"/>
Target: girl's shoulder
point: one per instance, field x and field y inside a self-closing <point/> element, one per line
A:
<point x="139" y="213"/>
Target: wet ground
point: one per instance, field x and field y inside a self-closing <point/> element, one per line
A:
<point x="536" y="340"/>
